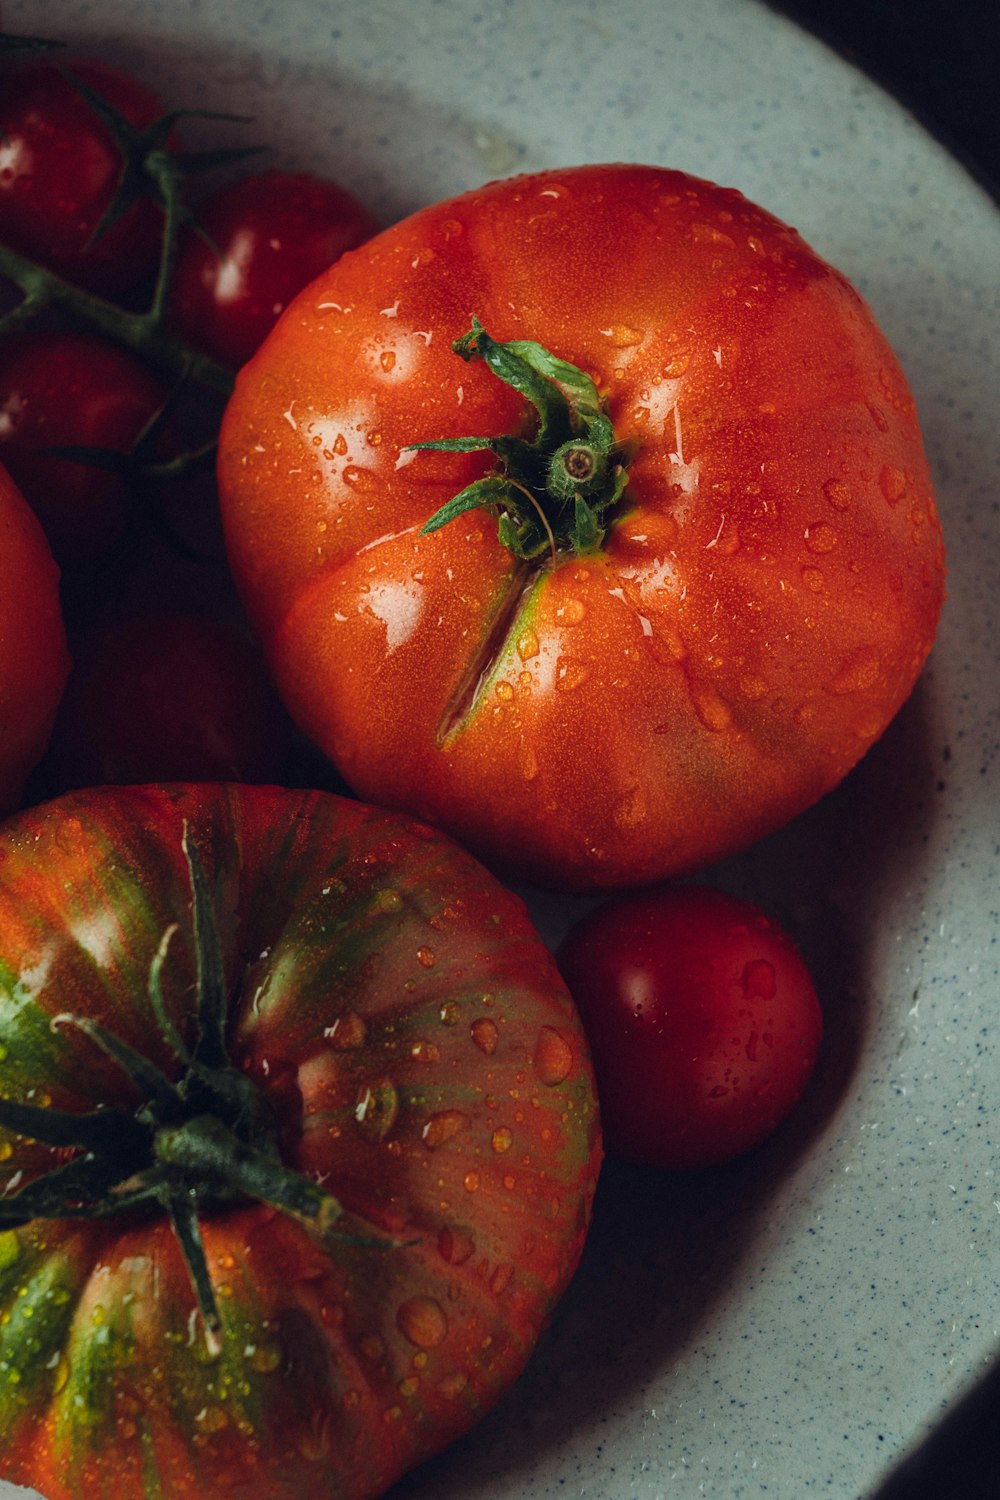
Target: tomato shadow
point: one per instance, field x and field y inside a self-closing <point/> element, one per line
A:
<point x="666" y="1250"/>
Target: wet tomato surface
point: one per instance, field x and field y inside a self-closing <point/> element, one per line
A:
<point x="335" y="1144"/>
<point x="608" y="693"/>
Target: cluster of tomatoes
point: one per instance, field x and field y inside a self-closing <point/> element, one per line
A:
<point x="93" y="418"/>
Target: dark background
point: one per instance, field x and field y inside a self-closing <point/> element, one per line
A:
<point x="942" y="60"/>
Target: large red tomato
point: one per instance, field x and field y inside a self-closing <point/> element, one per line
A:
<point x="34" y="662"/>
<point x="335" y="1144"/>
<point x="709" y="567"/>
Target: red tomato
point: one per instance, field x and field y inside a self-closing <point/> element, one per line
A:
<point x="60" y="389"/>
<point x="33" y="659"/>
<point x="61" y="170"/>
<point x="167" y="697"/>
<point x="666" y="674"/>
<point x="299" y="1144"/>
<point x="703" y="1022"/>
<point x="264" y="237"/>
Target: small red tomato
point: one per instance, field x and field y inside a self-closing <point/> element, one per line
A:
<point x="166" y="697"/>
<point x="263" y="238"/>
<point x="61" y="169"/>
<point x="59" y="390"/>
<point x="703" y="1021"/>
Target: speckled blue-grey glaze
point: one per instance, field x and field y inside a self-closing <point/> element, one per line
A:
<point x="788" y="1326"/>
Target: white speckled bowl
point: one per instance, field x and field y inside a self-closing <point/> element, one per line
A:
<point x="789" y="1325"/>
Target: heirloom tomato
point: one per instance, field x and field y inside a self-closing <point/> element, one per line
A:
<point x="706" y="566"/>
<point x="298" y="1144"/>
<point x="703" y="1021"/>
<point x="34" y="662"/>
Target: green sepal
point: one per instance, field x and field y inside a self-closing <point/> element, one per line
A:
<point x="493" y="490"/>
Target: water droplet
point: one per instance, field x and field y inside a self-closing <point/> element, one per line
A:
<point x="339" y="444"/>
<point x="264" y="1358"/>
<point x="6" y="1150"/>
<point x="820" y="537"/>
<point x="387" y="359"/>
<point x="471" y="1182"/>
<point x="451" y="1013"/>
<point x="347" y="1033"/>
<point x="442" y="1126"/>
<point x="570" y="674"/>
<point x="501" y="1279"/>
<point x="707" y="234"/>
<point x="426" y="958"/>
<point x="502" y="1140"/>
<point x="860" y="670"/>
<point x="758" y="980"/>
<point x="212" y="1419"/>
<point x="377" y="1108"/>
<point x="712" y="710"/>
<point x="425" y="1052"/>
<point x="452" y="1385"/>
<point x="527" y="645"/>
<point x="892" y="483"/>
<point x="553" y="1056"/>
<point x="422" y="1320"/>
<point x="838" y="493"/>
<point x="504" y="690"/>
<point x="358" y="478"/>
<point x="455" y="1246"/>
<point x="485" y="1034"/>
<point x="813" y="580"/>
<point x="529" y="763"/>
<point x="572" y="612"/>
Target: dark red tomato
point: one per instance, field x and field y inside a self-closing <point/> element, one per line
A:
<point x="703" y="1021"/>
<point x="60" y="171"/>
<point x="265" y="237"/>
<point x="316" y="1055"/>
<point x="167" y="697"/>
<point x="60" y="389"/>
<point x="33" y="657"/>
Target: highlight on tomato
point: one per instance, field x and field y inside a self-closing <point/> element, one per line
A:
<point x="298" y="1140"/>
<point x="587" y="516"/>
<point x="34" y="662"/>
<point x="703" y="1021"/>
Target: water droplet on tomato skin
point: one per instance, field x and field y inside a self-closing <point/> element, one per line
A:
<point x="485" y="1034"/>
<point x="426" y="958"/>
<point x="422" y="1321"/>
<point x="377" y="1108"/>
<point x="442" y="1127"/>
<point x="553" y="1056"/>
<point x="759" y="980"/>
<point x="347" y="1033"/>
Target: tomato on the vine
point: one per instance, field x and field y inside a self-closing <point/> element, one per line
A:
<point x="61" y="170"/>
<point x="34" y="662"/>
<point x="63" y="389"/>
<point x="259" y="240"/>
<point x="705" y="567"/>
<point x="703" y="1022"/>
<point x="299" y="1142"/>
<point x="167" y="696"/>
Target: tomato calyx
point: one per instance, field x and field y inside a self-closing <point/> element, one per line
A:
<point x="554" y="492"/>
<point x="192" y="1146"/>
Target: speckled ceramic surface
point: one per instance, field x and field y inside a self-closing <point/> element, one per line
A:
<point x="789" y="1325"/>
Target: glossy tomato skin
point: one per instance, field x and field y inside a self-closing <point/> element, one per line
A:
<point x="164" y="695"/>
<point x="34" y="662"/>
<point x="263" y="238"/>
<point x="762" y="602"/>
<point x="63" y="389"/>
<point x="61" y="171"/>
<point x="420" y="1056"/>
<point x="703" y="1021"/>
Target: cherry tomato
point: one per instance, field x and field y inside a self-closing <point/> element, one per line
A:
<point x="629" y="664"/>
<point x="63" y="389"/>
<point x="61" y="168"/>
<point x="703" y="1021"/>
<point x="166" y="696"/>
<point x="33" y="658"/>
<point x="264" y="237"/>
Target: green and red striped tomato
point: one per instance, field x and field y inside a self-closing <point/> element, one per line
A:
<point x="327" y="1075"/>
